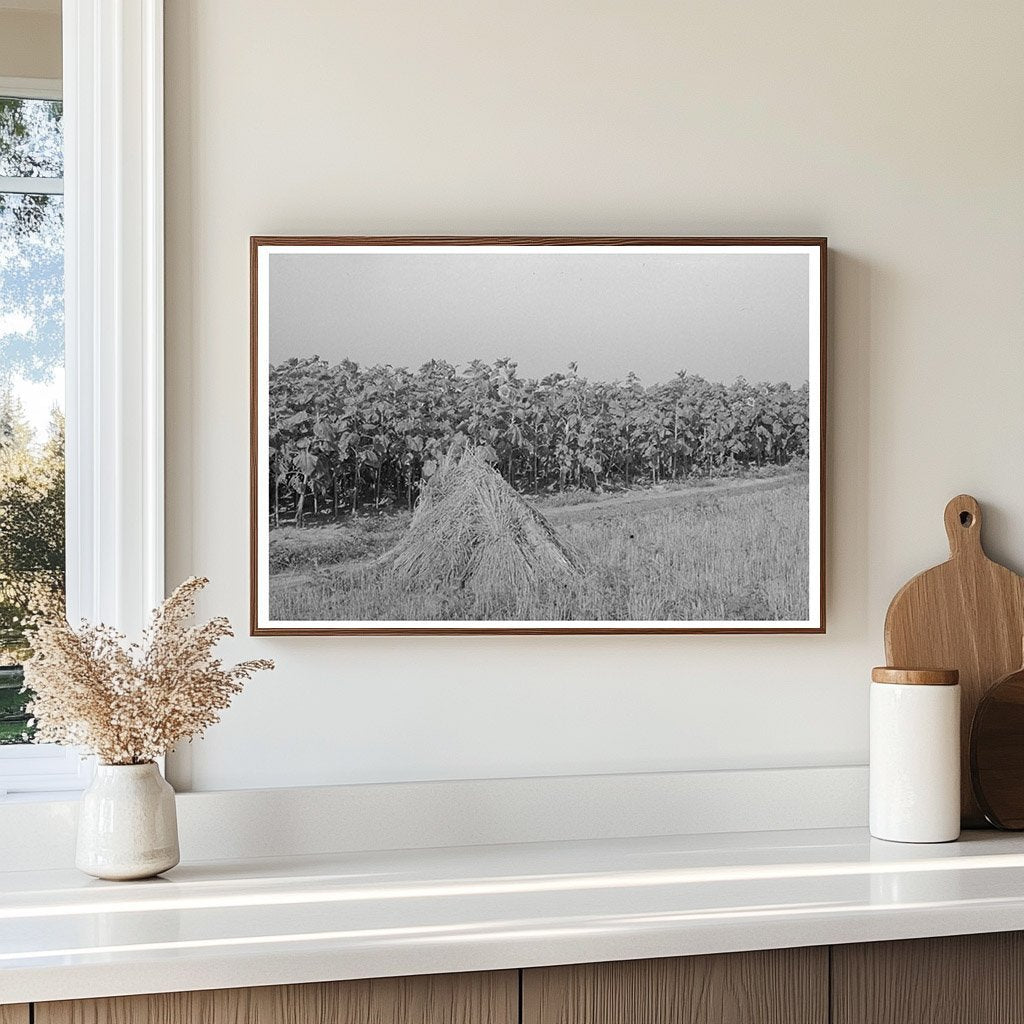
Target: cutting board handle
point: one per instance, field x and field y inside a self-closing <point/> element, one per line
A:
<point x="963" y="526"/>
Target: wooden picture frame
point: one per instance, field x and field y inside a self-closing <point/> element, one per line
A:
<point x="315" y="296"/>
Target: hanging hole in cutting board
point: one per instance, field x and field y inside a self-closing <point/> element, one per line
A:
<point x="966" y="519"/>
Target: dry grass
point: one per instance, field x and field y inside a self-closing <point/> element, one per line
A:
<point x="715" y="554"/>
<point x="358" y="538"/>
<point x="129" y="702"/>
<point x="473" y="535"/>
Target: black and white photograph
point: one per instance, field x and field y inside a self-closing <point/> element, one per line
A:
<point x="550" y="435"/>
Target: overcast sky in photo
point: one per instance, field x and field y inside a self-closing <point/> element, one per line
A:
<point x="717" y="315"/>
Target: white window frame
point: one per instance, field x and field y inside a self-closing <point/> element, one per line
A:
<point x="31" y="89"/>
<point x="113" y="282"/>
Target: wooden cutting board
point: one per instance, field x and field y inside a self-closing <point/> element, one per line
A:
<point x="967" y="614"/>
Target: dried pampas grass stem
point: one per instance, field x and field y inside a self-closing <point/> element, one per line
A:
<point x="129" y="703"/>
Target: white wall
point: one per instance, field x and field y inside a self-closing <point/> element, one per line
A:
<point x="895" y="129"/>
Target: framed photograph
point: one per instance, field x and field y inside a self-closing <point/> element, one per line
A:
<point x="537" y="435"/>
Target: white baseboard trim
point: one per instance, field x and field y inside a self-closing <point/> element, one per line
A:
<point x="241" y="824"/>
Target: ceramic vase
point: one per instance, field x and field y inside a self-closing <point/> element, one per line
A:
<point x="127" y="825"/>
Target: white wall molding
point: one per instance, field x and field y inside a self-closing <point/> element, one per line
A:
<point x="113" y="109"/>
<point x="31" y="88"/>
<point x="247" y="824"/>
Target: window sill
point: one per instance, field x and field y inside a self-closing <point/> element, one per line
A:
<point x="43" y="770"/>
<point x="275" y="921"/>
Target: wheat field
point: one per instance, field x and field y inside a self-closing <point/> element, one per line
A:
<point x="735" y="550"/>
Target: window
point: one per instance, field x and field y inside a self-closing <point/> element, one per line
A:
<point x="31" y="382"/>
<point x="111" y="201"/>
<point x="32" y="532"/>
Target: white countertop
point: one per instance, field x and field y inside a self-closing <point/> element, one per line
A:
<point x="237" y="923"/>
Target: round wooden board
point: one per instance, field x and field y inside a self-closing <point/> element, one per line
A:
<point x="997" y="752"/>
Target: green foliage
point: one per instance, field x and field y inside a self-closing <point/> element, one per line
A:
<point x="13" y="720"/>
<point x="31" y="543"/>
<point x="31" y="517"/>
<point x="343" y="438"/>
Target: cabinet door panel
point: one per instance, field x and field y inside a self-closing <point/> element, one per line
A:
<point x="14" y="1014"/>
<point x="961" y="979"/>
<point x="779" y="986"/>
<point x="490" y="998"/>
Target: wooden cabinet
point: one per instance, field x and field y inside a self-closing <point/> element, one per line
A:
<point x="963" y="979"/>
<point x="778" y="986"/>
<point x="491" y="998"/>
<point x="971" y="979"/>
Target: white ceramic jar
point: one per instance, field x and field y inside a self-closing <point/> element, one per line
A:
<point x="915" y="755"/>
<point x="127" y="823"/>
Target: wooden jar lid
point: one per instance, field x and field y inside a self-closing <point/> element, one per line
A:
<point x="916" y="676"/>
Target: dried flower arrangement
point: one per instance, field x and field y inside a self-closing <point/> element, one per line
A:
<point x="130" y="703"/>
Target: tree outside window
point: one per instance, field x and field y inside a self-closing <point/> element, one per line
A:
<point x="32" y="543"/>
